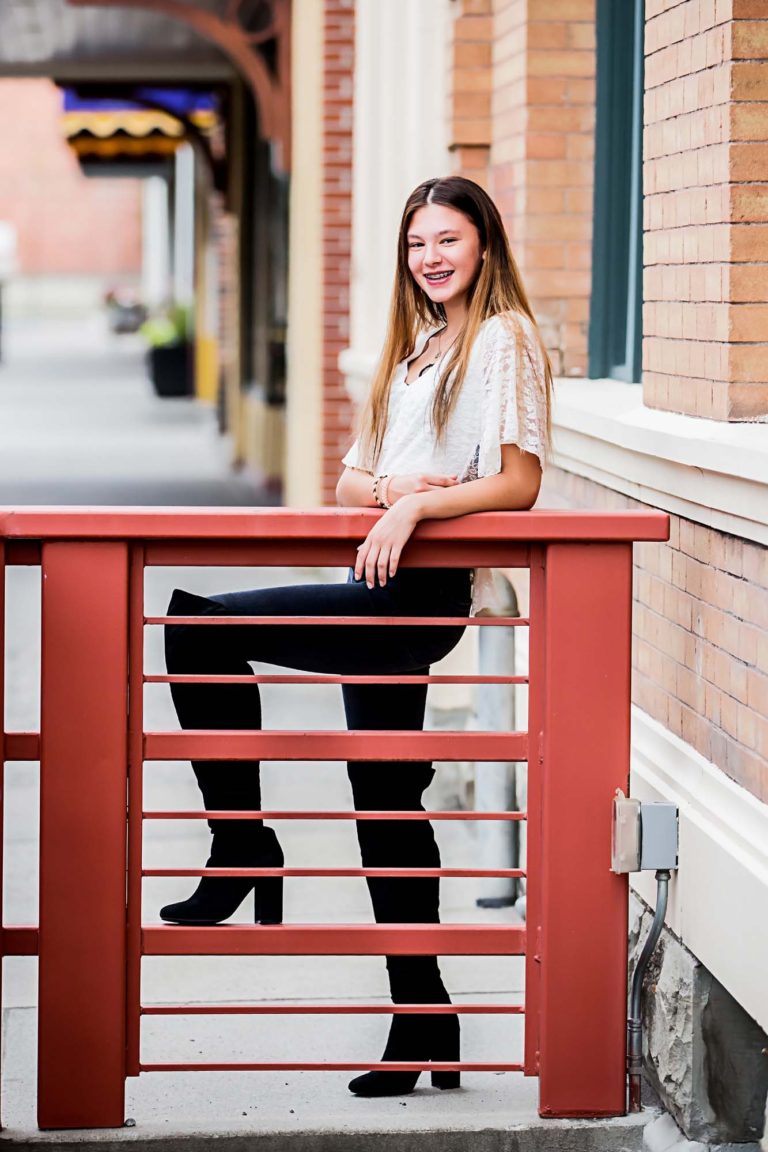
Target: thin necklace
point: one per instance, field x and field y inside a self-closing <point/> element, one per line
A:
<point x="437" y="357"/>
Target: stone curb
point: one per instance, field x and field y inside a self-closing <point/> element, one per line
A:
<point x="620" y="1135"/>
<point x="663" y="1135"/>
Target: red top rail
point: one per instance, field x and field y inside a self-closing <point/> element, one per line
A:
<point x="321" y="525"/>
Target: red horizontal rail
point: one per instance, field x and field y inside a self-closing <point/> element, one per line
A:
<point x="22" y="746"/>
<point x="332" y="1009"/>
<point x="509" y="746"/>
<point x="270" y="678"/>
<point x="336" y="940"/>
<point x="23" y="552"/>
<point x="328" y="873"/>
<point x="20" y="940"/>
<point x="314" y="526"/>
<point x="264" y="552"/>
<point x="389" y="1066"/>
<point x="328" y="745"/>
<point x="293" y="814"/>
<point x="353" y="621"/>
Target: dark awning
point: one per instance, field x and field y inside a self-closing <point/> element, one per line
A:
<point x="143" y="130"/>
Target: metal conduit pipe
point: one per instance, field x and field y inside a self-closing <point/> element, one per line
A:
<point x="634" y="1024"/>
<point x="495" y="782"/>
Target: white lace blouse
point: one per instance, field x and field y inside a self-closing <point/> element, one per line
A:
<point x="502" y="401"/>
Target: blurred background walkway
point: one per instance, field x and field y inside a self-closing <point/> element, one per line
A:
<point x="80" y="424"/>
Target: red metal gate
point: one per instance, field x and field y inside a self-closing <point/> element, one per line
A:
<point x="92" y="746"/>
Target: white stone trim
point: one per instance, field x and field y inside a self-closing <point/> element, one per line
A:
<point x="358" y="368"/>
<point x="400" y="139"/>
<point x="710" y="472"/>
<point x="718" y="903"/>
<point x="304" y="418"/>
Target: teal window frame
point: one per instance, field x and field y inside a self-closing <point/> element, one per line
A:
<point x="615" y="318"/>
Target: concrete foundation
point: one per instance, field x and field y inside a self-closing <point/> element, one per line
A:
<point x="704" y="1056"/>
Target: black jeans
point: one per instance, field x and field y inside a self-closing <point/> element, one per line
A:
<point x="346" y="649"/>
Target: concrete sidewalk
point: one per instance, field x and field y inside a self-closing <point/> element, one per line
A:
<point x="292" y="1110"/>
<point x="80" y="424"/>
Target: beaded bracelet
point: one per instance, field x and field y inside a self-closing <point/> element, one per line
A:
<point x="379" y="497"/>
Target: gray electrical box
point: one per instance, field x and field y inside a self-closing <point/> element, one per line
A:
<point x="658" y="835"/>
<point x="625" y="838"/>
<point x="644" y="836"/>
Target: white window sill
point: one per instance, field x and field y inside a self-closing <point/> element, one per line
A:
<point x="710" y="472"/>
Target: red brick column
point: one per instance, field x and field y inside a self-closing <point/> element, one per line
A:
<point x="469" y="85"/>
<point x="542" y="160"/>
<point x="338" y="68"/>
<point x="706" y="208"/>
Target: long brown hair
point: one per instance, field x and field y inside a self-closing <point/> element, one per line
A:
<point x="498" y="289"/>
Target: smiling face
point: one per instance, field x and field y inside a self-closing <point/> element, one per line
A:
<point x="444" y="255"/>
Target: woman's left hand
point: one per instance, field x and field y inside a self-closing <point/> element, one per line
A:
<point x="379" y="554"/>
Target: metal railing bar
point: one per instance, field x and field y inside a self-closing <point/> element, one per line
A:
<point x="328" y="873"/>
<point x="321" y="678"/>
<point x="389" y="1066"/>
<point x="322" y="744"/>
<point x="332" y="1009"/>
<point x="325" y="744"/>
<point x="335" y="940"/>
<point x="312" y="529"/>
<point x="22" y="746"/>
<point x="278" y="814"/>
<point x="19" y="940"/>
<point x="344" y="621"/>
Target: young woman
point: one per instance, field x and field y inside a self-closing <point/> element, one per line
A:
<point x="457" y="422"/>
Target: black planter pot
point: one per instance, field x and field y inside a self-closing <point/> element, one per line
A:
<point x="171" y="369"/>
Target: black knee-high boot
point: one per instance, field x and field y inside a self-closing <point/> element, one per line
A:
<point x="403" y="844"/>
<point x="412" y="979"/>
<point x="225" y="785"/>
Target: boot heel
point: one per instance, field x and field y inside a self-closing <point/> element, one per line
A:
<point x="268" y="900"/>
<point x="445" y="1080"/>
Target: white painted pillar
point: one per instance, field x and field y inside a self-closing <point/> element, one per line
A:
<point x="305" y="261"/>
<point x="184" y="227"/>
<point x="400" y="139"/>
<point x="155" y="262"/>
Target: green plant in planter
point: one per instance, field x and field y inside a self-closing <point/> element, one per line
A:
<point x="170" y="351"/>
<point x="171" y="326"/>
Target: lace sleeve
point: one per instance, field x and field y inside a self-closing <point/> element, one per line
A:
<point x="353" y="460"/>
<point x="352" y="456"/>
<point x="514" y="391"/>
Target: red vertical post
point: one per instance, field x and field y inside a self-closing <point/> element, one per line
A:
<point x="81" y="1053"/>
<point x="536" y="682"/>
<point x="2" y="782"/>
<point x="135" y="808"/>
<point x="586" y="717"/>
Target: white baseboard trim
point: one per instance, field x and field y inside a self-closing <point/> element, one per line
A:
<point x="718" y="903"/>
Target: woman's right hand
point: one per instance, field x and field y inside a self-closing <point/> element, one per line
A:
<point x="417" y="482"/>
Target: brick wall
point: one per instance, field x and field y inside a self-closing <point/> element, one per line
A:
<point x="706" y="208"/>
<point x="542" y="160"/>
<point x="65" y="223"/>
<point x="338" y="65"/>
<point x="469" y="87"/>
<point x="700" y="651"/>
